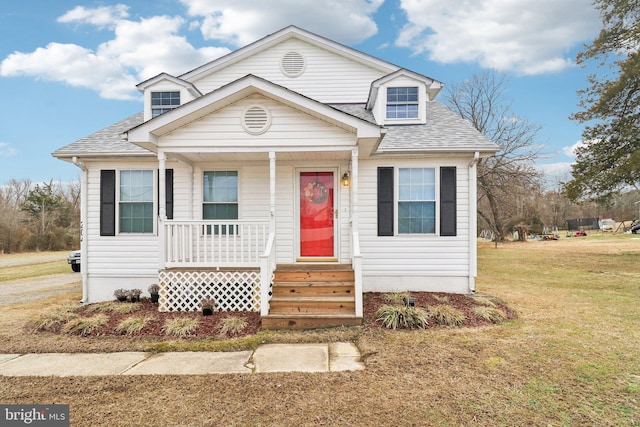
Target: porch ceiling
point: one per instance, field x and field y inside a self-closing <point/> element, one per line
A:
<point x="235" y="156"/>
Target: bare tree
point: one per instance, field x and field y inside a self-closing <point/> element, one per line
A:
<point x="509" y="177"/>
<point x="13" y="233"/>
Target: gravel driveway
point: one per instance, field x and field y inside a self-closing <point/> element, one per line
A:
<point x="38" y="287"/>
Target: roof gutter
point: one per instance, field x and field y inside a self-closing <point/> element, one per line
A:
<point x="84" y="209"/>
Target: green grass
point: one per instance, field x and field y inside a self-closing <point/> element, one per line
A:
<point x="33" y="270"/>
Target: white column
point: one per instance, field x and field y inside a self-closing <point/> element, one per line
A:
<point x="162" y="208"/>
<point x="355" y="232"/>
<point x="355" y="219"/>
<point x="272" y="192"/>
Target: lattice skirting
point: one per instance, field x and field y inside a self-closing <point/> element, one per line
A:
<point x="231" y="290"/>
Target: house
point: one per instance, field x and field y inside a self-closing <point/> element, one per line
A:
<point x="287" y="177"/>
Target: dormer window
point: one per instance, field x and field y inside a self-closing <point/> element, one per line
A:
<point x="402" y="103"/>
<point x="161" y="102"/>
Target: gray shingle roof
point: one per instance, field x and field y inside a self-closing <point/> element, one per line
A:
<point x="107" y="141"/>
<point x="444" y="131"/>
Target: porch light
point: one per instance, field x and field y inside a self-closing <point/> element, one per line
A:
<point x="345" y="179"/>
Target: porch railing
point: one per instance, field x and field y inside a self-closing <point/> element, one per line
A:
<point x="356" y="261"/>
<point x="214" y="243"/>
<point x="267" y="267"/>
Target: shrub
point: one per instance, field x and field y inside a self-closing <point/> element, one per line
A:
<point x="153" y="289"/>
<point x="490" y="314"/>
<point x="133" y="325"/>
<point x="232" y="325"/>
<point x="84" y="325"/>
<point x="401" y="316"/>
<point x="397" y="297"/>
<point x="443" y="299"/>
<point x="120" y="293"/>
<point x="180" y="326"/>
<point x="208" y="303"/>
<point x="446" y="315"/>
<point x="114" y="307"/>
<point x="52" y="320"/>
<point x="484" y="301"/>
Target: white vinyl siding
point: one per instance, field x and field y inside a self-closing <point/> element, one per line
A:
<point x="318" y="81"/>
<point x="124" y="255"/>
<point x="289" y="128"/>
<point x="420" y="261"/>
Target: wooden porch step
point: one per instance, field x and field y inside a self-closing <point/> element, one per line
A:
<point x="307" y="296"/>
<point x="307" y="321"/>
<point x="315" y="305"/>
<point x="301" y="275"/>
<point x="313" y="289"/>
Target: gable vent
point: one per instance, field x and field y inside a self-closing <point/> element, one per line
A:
<point x="256" y="120"/>
<point x="292" y="64"/>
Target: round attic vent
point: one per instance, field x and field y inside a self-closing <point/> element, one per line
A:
<point x="256" y="120"/>
<point x="292" y="64"/>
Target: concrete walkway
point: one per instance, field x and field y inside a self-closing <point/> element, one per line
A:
<point x="332" y="357"/>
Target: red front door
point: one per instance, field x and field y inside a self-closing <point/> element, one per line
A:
<point x="316" y="214"/>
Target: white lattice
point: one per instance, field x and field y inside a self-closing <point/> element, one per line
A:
<point x="231" y="290"/>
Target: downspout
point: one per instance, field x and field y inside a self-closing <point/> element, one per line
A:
<point x="473" y="222"/>
<point x="84" y="232"/>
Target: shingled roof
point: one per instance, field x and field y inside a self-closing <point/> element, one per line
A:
<point x="108" y="141"/>
<point x="444" y="131"/>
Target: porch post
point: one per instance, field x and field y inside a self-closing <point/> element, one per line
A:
<point x="355" y="231"/>
<point x="272" y="192"/>
<point x="162" y="208"/>
<point x="355" y="220"/>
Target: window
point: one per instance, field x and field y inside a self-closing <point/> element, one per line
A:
<point x="220" y="198"/>
<point x="161" y="102"/>
<point x="136" y="201"/>
<point x="416" y="201"/>
<point x="402" y="103"/>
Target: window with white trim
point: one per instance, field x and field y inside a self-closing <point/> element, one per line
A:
<point x="162" y="102"/>
<point x="220" y="196"/>
<point x="402" y="103"/>
<point x="416" y="201"/>
<point x="135" y="204"/>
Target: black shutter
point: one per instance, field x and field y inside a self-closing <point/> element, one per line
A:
<point x="448" y="201"/>
<point x="107" y="203"/>
<point x="169" y="193"/>
<point x="385" y="201"/>
<point x="168" y="186"/>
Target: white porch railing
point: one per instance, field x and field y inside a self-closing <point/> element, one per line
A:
<point x="267" y="267"/>
<point x="357" y="271"/>
<point x="214" y="243"/>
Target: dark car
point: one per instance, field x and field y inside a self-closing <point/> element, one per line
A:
<point x="74" y="260"/>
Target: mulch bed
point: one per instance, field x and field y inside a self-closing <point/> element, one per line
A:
<point x="209" y="326"/>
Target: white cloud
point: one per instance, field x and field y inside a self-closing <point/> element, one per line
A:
<point x="525" y="36"/>
<point x="138" y="51"/>
<point x="571" y="151"/>
<point x="101" y="17"/>
<point x="555" y="173"/>
<point x="6" y="150"/>
<point x="241" y="22"/>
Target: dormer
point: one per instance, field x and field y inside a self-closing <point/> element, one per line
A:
<point x="165" y="92"/>
<point x="400" y="98"/>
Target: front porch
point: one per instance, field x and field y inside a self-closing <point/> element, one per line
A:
<point x="234" y="263"/>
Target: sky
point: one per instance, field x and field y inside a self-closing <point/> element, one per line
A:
<point x="70" y="67"/>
